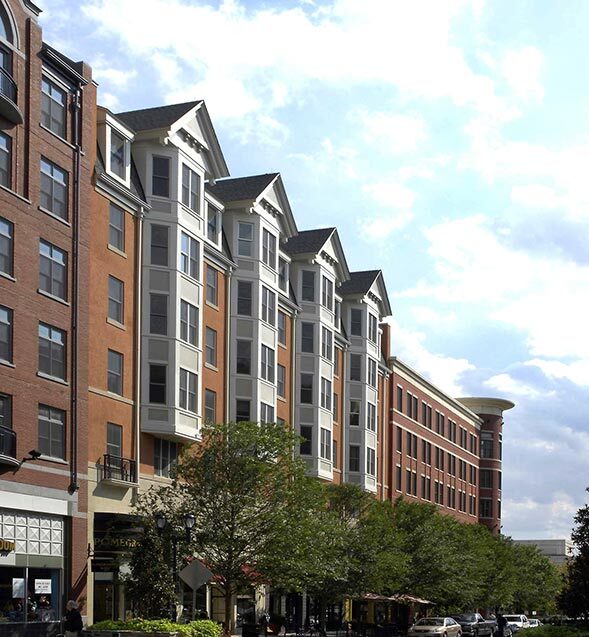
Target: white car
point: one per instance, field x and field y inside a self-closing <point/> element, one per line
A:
<point x="535" y="623"/>
<point x="521" y="621"/>
<point x="436" y="627"/>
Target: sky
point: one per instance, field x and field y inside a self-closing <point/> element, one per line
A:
<point x="447" y="140"/>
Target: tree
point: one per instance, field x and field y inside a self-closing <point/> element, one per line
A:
<point x="574" y="598"/>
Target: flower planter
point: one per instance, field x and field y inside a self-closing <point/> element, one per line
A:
<point x="126" y="633"/>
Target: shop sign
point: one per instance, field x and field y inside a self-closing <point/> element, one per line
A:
<point x="42" y="586"/>
<point x="7" y="546"/>
<point x="18" y="587"/>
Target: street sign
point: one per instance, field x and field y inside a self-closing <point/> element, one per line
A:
<point x="195" y="574"/>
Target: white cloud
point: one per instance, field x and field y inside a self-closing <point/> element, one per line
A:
<point x="393" y="133"/>
<point x="536" y="196"/>
<point x="506" y="384"/>
<point x="522" y="69"/>
<point x="117" y="79"/>
<point x="391" y="194"/>
<point x="577" y="372"/>
<point x="378" y="229"/>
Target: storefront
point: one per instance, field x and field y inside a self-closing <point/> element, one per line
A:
<point x="31" y="573"/>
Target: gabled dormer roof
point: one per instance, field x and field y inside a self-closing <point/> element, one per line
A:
<point x="257" y="189"/>
<point x="175" y="118"/>
<point x="362" y="283"/>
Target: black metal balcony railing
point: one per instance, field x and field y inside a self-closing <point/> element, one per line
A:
<point x="7" y="85"/>
<point x="8" y="98"/>
<point x="7" y="442"/>
<point x="117" y="468"/>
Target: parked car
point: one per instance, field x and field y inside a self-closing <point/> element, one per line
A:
<point x="475" y="624"/>
<point x="436" y="627"/>
<point x="521" y="621"/>
<point x="535" y="623"/>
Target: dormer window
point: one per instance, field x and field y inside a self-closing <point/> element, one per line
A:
<point x="282" y="274"/>
<point x="118" y="155"/>
<point x="53" y="107"/>
<point x="213" y="223"/>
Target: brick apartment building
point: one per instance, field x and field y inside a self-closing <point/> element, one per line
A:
<point x="164" y="294"/>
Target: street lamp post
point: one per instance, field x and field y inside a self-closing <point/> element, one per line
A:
<point x="161" y="522"/>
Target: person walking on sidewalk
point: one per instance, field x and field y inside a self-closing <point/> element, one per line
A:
<point x="73" y="620"/>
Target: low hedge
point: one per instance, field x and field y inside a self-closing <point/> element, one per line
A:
<point x="557" y="631"/>
<point x="199" y="628"/>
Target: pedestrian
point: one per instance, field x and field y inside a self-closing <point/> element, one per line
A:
<point x="73" y="620"/>
<point x="501" y="623"/>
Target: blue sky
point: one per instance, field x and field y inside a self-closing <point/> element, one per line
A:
<point x="447" y="140"/>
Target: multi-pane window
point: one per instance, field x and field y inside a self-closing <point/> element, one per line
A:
<point x="439" y="459"/>
<point x="354" y="458"/>
<point x="473" y="475"/>
<point x="211" y="346"/>
<point x="281" y="381"/>
<point x="306" y="446"/>
<point x="188" y="323"/>
<point x="440" y="421"/>
<point x="114" y="439"/>
<point x="212" y="286"/>
<point x="426" y="487"/>
<point x="372" y="328"/>
<point x="325" y="449"/>
<point x="187" y="390"/>
<point x="210" y="406"/>
<point x="334" y="452"/>
<point x="118" y="151"/>
<point x="165" y="457"/>
<point x="307" y="389"/>
<point x="114" y="376"/>
<point x="116" y="295"/>
<point x="355" y="367"/>
<point x="6" y="246"/>
<point x="355" y="322"/>
<point x="116" y="227"/>
<point x="327" y="293"/>
<point x="370" y="461"/>
<point x="190" y="188"/>
<point x="269" y="249"/>
<point x="158" y="314"/>
<point x="372" y="376"/>
<point x="268" y="306"/>
<point x="308" y="286"/>
<point x="283" y="274"/>
<point x="189" y="255"/>
<point x="157" y="384"/>
<point x="51" y="431"/>
<point x="486" y="478"/>
<point x="5" y="160"/>
<point x="411" y="445"/>
<point x="399" y="398"/>
<point x="336" y="363"/>
<point x="398" y="477"/>
<point x="438" y="492"/>
<point x="308" y="337"/>
<point x="52" y="351"/>
<point x="245" y="239"/>
<point x="6" y="411"/>
<point x="451" y="464"/>
<point x="335" y="407"/>
<point x="486" y="445"/>
<point x="5" y="334"/>
<point x="326" y="394"/>
<point x="326" y="343"/>
<point x="462" y="469"/>
<point x="244" y="298"/>
<point x="160" y="176"/>
<point x="338" y="313"/>
<point x="399" y="445"/>
<point x="267" y="364"/>
<point x="54" y="186"/>
<point x="282" y="328"/>
<point x="53" y="107"/>
<point x="486" y="508"/>
<point x="212" y="223"/>
<point x="244" y="357"/>
<point x="242" y="410"/>
<point x="371" y="417"/>
<point x="354" y="413"/>
<point x="159" y="245"/>
<point x="426" y="452"/>
<point x="266" y="413"/>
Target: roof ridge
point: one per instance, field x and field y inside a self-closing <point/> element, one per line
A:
<point x="155" y="108"/>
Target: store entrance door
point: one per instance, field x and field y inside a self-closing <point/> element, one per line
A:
<point x="104" y="601"/>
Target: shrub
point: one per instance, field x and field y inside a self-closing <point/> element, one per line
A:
<point x="199" y="628"/>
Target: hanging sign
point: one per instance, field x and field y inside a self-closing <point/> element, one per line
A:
<point x="42" y="586"/>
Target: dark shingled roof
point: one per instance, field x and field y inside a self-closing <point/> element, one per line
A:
<point x="359" y="282"/>
<point x="157" y="117"/>
<point x="136" y="185"/>
<point x="308" y="241"/>
<point x="241" y="188"/>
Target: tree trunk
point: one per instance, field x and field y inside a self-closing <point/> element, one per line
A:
<point x="228" y="628"/>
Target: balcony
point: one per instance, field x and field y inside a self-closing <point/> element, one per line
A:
<point x="8" y="447"/>
<point x="118" y="471"/>
<point x="8" y="98"/>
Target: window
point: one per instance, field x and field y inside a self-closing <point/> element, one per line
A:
<point x="399" y="445"/>
<point x="355" y="322"/>
<point x="307" y="389"/>
<point x="307" y="337"/>
<point x="159" y="245"/>
<point x="281" y="381"/>
<point x="188" y="323"/>
<point x="5" y="160"/>
<point x="326" y="394"/>
<point x="372" y="378"/>
<point x="51" y="351"/>
<point x="370" y="461"/>
<point x="398" y="477"/>
<point x="160" y="177"/>
<point x="486" y="445"/>
<point x="190" y="188"/>
<point x="165" y="457"/>
<point x="426" y="487"/>
<point x="268" y="306"/>
<point x="486" y="478"/>
<point x="306" y="446"/>
<point x="158" y="314"/>
<point x="242" y="410"/>
<point x="355" y="367"/>
<point x="283" y="274"/>
<point x="116" y="227"/>
<point x="157" y="384"/>
<point x="114" y="376"/>
<point x="439" y="459"/>
<point x="399" y="398"/>
<point x="54" y="188"/>
<point x="308" y="286"/>
<point x="354" y="459"/>
<point x="325" y="449"/>
<point x="269" y="249"/>
<point x="336" y="363"/>
<point x="426" y="452"/>
<point x="462" y="469"/>
<point x="245" y="239"/>
<point x="53" y="107"/>
<point x="371" y="417"/>
<point x="327" y="293"/>
<point x="334" y="452"/>
<point x="6" y="411"/>
<point x="335" y="407"/>
<point x="189" y="256"/>
<point x="210" y="406"/>
<point x="267" y="364"/>
<point x="282" y="328"/>
<point x="212" y="223"/>
<point x="51" y="431"/>
<point x="188" y="388"/>
<point x="372" y="328"/>
<point x="114" y="440"/>
<point x="211" y="346"/>
<point x="266" y="413"/>
<point x="473" y="475"/>
<point x="115" y="299"/>
<point x="212" y="286"/>
<point x="6" y="246"/>
<point x="486" y="508"/>
<point x="354" y="413"/>
<point x="451" y="464"/>
<point x="5" y="334"/>
<point x="440" y="423"/>
<point x="244" y="298"/>
<point x="326" y="343"/>
<point x="118" y="152"/>
<point x="411" y="445"/>
<point x="244" y="357"/>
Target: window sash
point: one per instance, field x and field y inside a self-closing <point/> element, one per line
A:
<point x="282" y="328"/>
<point x="54" y="186"/>
<point x="268" y="306"/>
<point x="5" y="160"/>
<point x="116" y="295"/>
<point x="269" y="249"/>
<point x="6" y="246"/>
<point x="244" y="357"/>
<point x="355" y="322"/>
<point x="211" y="347"/>
<point x="267" y="364"/>
<point x="160" y="176"/>
<point x="6" y="334"/>
<point x="325" y="450"/>
<point x="158" y="384"/>
<point x="327" y="293"/>
<point x="189" y="255"/>
<point x="210" y="406"/>
<point x="242" y="410"/>
<point x="188" y="323"/>
<point x="190" y="188"/>
<point x="308" y="286"/>
<point x="114" y="440"/>
<point x="159" y="245"/>
<point x="306" y="444"/>
<point x="212" y="286"/>
<point x="52" y="344"/>
<point x="281" y="381"/>
<point x="53" y="108"/>
<point x="244" y="298"/>
<point x="6" y="411"/>
<point x="115" y="372"/>
<point x="245" y="239"/>
<point x="354" y="458"/>
<point x="308" y="338"/>
<point x="51" y="432"/>
<point x="165" y="457"/>
<point x="158" y="314"/>
<point x="188" y="390"/>
<point x="306" y="395"/>
<point x="356" y="367"/>
<point x="326" y="394"/>
<point x="118" y="161"/>
<point x="116" y="227"/>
